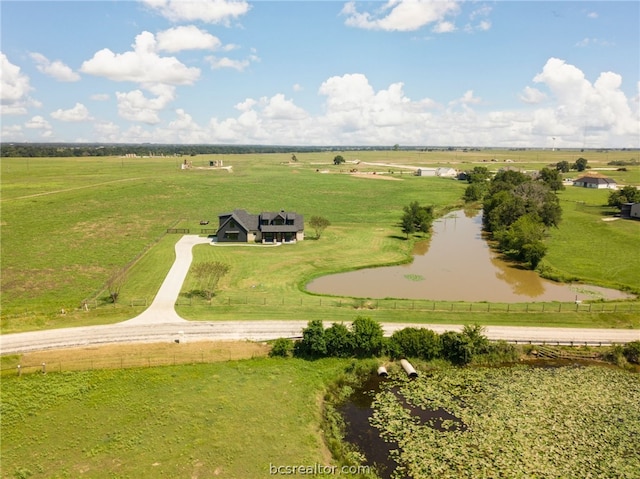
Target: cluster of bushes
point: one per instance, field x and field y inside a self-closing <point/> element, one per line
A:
<point x="631" y="162"/>
<point x="365" y="339"/>
<point x="630" y="353"/>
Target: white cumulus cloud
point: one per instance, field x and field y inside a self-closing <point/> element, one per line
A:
<point x="78" y="113"/>
<point x="279" y="108"/>
<point x="135" y="106"/>
<point x="142" y="65"/>
<point x="532" y="95"/>
<point x="208" y="11"/>
<point x="14" y="88"/>
<point x="218" y="63"/>
<point x="186" y="38"/>
<point x="400" y="15"/>
<point x="55" y="69"/>
<point x="38" y="123"/>
<point x="583" y="106"/>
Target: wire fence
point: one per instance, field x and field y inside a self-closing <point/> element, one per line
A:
<point x="118" y="362"/>
<point x="413" y="305"/>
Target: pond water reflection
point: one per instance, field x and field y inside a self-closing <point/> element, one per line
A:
<point x="457" y="264"/>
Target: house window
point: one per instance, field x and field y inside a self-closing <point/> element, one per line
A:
<point x="232" y="224"/>
<point x="231" y="236"/>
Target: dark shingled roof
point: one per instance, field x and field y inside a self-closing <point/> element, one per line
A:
<point x="596" y="180"/>
<point x="251" y="222"/>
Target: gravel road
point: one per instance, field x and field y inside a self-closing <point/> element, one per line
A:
<point x="161" y="323"/>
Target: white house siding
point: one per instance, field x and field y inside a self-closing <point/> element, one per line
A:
<point x="426" y="172"/>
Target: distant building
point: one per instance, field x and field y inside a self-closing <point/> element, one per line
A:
<point x="442" y="172"/>
<point x="630" y="210"/>
<point x="598" y="182"/>
<point x="267" y="227"/>
<point x="426" y="172"/>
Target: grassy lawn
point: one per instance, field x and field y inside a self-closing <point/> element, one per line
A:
<point x="586" y="246"/>
<point x="68" y="224"/>
<point x="223" y="419"/>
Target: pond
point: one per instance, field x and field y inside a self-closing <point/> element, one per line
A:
<point x="457" y="264"/>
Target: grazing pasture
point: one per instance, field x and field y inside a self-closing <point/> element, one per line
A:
<point x="69" y="224"/>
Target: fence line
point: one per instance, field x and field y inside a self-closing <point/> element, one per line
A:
<point x="417" y="305"/>
<point x="115" y="362"/>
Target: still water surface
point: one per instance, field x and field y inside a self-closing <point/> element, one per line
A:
<point x="457" y="264"/>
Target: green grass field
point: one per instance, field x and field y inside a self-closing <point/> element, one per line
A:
<point x="69" y="223"/>
<point x="227" y="419"/>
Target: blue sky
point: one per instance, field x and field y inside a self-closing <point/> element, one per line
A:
<point x="445" y="72"/>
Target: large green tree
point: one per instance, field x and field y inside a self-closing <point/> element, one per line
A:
<point x="416" y="218"/>
<point x="580" y="164"/>
<point x="551" y="178"/>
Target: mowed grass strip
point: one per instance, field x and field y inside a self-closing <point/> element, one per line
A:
<point x="227" y="419"/>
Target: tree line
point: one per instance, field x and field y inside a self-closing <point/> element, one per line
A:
<point x="365" y="338"/>
<point x="518" y="209"/>
<point x="32" y="150"/>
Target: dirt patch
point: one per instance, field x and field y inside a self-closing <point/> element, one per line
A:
<point x="374" y="176"/>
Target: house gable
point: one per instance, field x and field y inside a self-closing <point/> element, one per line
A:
<point x="240" y="226"/>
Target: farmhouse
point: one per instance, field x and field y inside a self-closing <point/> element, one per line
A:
<point x="267" y="227"/>
<point x="595" y="182"/>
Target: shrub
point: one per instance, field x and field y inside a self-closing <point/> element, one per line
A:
<point x="339" y="341"/>
<point x="631" y="352"/>
<point x="415" y="343"/>
<point x="282" y="347"/>
<point x="313" y="344"/>
<point x="367" y="337"/>
<point x="456" y="348"/>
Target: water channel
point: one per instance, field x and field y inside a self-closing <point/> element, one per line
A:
<point x="457" y="264"/>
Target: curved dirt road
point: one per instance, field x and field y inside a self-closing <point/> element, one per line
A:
<point x="161" y="323"/>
